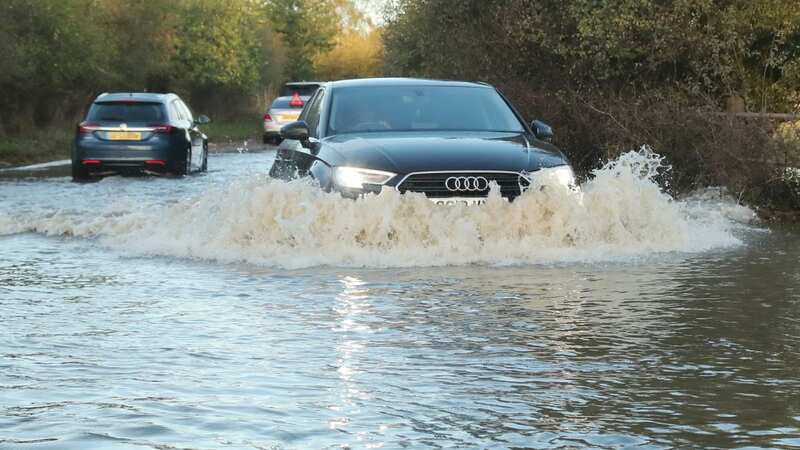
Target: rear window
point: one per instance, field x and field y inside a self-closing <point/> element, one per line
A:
<point x="127" y="112"/>
<point x="283" y="103"/>
<point x="304" y="90"/>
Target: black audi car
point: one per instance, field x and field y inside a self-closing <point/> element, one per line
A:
<point x="139" y="132"/>
<point x="450" y="140"/>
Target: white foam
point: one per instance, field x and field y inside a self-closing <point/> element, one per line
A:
<point x="620" y="213"/>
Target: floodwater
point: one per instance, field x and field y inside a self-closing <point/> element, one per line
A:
<point x="225" y="310"/>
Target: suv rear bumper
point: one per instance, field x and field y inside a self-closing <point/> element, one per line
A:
<point x="94" y="166"/>
<point x="98" y="157"/>
<point x="273" y="127"/>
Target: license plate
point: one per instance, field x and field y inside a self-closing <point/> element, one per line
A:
<point x="288" y="117"/>
<point x="124" y="136"/>
<point x="450" y="201"/>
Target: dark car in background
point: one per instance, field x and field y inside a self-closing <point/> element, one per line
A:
<point x="131" y="133"/>
<point x="449" y="140"/>
<point x="286" y="108"/>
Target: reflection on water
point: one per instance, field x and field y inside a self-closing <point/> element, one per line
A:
<point x="103" y="349"/>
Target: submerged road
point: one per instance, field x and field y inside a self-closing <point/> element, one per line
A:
<point x="225" y="311"/>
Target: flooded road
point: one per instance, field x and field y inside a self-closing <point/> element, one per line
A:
<point x="227" y="311"/>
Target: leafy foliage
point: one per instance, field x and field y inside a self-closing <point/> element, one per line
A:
<point x="44" y="54"/>
<point x="355" y="55"/>
<point x="58" y="55"/>
<point x="313" y="28"/>
<point x="713" y="47"/>
<point x="217" y="43"/>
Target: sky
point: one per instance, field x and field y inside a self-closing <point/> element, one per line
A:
<point x="373" y="9"/>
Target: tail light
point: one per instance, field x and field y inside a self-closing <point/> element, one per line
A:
<point x="155" y="162"/>
<point x="267" y="118"/>
<point x="90" y="162"/>
<point x="162" y="129"/>
<point x="87" y="127"/>
<point x="296" y="101"/>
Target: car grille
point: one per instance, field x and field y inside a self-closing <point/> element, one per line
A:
<point x="433" y="184"/>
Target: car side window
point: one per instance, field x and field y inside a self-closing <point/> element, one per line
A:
<point x="313" y="113"/>
<point x="306" y="108"/>
<point x="176" y="111"/>
<point x="187" y="113"/>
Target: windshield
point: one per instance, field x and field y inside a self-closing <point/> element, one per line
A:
<point x="127" y="112"/>
<point x="285" y="103"/>
<point x="418" y="108"/>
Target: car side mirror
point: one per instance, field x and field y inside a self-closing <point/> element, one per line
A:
<point x="542" y="131"/>
<point x="202" y="120"/>
<point x="297" y="131"/>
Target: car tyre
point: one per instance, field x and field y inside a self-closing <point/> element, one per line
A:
<point x="182" y="167"/>
<point x="79" y="172"/>
<point x="188" y="169"/>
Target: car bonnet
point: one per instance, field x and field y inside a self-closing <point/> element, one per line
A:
<point x="408" y="152"/>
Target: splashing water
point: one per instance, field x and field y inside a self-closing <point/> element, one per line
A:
<point x="620" y="213"/>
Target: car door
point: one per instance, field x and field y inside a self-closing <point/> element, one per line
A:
<point x="181" y="122"/>
<point x="196" y="137"/>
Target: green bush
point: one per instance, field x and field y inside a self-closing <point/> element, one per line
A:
<point x="58" y="55"/>
<point x="703" y="147"/>
<point x="234" y="131"/>
<point x="39" y="146"/>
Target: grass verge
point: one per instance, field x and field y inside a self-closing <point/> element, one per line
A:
<point x="41" y="146"/>
<point x="233" y="131"/>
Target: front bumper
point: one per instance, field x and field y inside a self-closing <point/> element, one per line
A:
<point x="470" y="187"/>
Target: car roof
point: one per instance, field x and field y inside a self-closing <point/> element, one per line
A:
<point x="134" y="96"/>
<point x="405" y="82"/>
<point x="304" y="83"/>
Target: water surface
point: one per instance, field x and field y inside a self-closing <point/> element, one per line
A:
<point x="608" y="340"/>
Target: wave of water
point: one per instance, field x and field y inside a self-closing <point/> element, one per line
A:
<point x="620" y="212"/>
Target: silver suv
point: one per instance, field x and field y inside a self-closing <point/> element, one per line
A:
<point x="286" y="108"/>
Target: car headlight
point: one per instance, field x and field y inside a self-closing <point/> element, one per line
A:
<point x="562" y="175"/>
<point x="356" y="178"/>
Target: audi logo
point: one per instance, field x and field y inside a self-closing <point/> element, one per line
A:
<point x="466" y="184"/>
